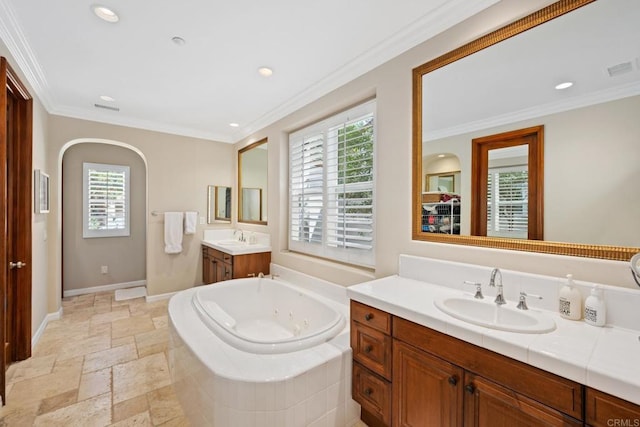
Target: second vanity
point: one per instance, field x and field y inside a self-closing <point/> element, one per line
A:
<point x="415" y="365"/>
<point x="228" y="254"/>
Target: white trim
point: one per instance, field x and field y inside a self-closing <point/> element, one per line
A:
<point x="104" y="288"/>
<point x="48" y="318"/>
<point x="159" y="297"/>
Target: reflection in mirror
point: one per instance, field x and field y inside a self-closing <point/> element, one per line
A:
<point x="251" y="204"/>
<point x="218" y="204"/>
<point x="252" y="176"/>
<point x="502" y="82"/>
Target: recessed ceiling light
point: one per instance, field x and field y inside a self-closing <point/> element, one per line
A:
<point x="178" y="40"/>
<point x="107" y="98"/>
<point x="442" y="155"/>
<point x="564" y="85"/>
<point x="265" y="71"/>
<point x="234" y="125"/>
<point x="105" y="13"/>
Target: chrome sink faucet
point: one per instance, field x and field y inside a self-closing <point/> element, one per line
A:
<point x="492" y="283"/>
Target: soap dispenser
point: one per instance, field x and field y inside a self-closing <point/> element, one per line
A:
<point x="570" y="304"/>
<point x="595" y="311"/>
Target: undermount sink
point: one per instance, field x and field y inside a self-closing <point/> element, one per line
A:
<point x="230" y="243"/>
<point x="490" y="315"/>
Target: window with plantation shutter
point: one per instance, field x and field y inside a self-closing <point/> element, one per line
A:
<point x="105" y="200"/>
<point x="331" y="187"/>
<point x="507" y="202"/>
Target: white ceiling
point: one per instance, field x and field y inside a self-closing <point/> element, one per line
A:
<point x="71" y="57"/>
<point x="515" y="79"/>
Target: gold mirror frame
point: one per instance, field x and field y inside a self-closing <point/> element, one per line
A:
<point x="619" y="253"/>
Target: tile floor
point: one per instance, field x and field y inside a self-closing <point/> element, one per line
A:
<point x="103" y="363"/>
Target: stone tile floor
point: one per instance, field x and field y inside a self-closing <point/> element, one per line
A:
<point x="104" y="363"/>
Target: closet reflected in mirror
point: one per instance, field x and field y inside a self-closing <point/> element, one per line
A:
<point x="252" y="183"/>
<point x="218" y="204"/>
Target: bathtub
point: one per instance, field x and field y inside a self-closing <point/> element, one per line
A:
<point x="263" y="353"/>
<point x="262" y="315"/>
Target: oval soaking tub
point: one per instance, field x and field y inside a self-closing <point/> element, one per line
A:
<point x="261" y="315"/>
<point x="263" y="353"/>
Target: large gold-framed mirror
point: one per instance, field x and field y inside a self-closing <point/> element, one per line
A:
<point x="252" y="183"/>
<point x="590" y="168"/>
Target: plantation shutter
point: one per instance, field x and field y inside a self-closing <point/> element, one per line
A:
<point x="106" y="200"/>
<point x="331" y="187"/>
<point x="507" y="202"/>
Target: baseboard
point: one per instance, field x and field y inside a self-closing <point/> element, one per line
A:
<point x="152" y="298"/>
<point x="48" y="318"/>
<point x="104" y="288"/>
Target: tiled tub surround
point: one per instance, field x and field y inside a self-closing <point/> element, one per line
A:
<point x="602" y="358"/>
<point x="219" y="385"/>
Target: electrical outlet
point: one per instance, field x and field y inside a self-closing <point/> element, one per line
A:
<point x="104" y="269"/>
<point x="201" y="220"/>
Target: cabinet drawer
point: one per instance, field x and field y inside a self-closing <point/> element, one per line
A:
<point x="372" y="392"/>
<point x="371" y="348"/>
<point x="370" y="316"/>
<point x="606" y="410"/>
<point x="219" y="255"/>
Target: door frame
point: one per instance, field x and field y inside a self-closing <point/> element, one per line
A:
<point x="22" y="145"/>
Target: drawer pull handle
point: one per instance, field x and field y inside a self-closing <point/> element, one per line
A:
<point x="368" y="349"/>
<point x="470" y="388"/>
<point x="453" y="380"/>
<point x="368" y="316"/>
<point x="368" y="391"/>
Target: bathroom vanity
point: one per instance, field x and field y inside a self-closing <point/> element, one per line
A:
<point x="414" y="365"/>
<point x="219" y="265"/>
<point x="229" y="254"/>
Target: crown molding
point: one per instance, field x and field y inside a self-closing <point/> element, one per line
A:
<point x="424" y="28"/>
<point x="13" y="37"/>
<point x="112" y="118"/>
<point x="586" y="100"/>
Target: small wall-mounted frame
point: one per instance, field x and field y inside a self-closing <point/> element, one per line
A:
<point x="40" y="191"/>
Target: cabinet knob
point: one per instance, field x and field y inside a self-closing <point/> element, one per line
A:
<point x="470" y="388"/>
<point x="368" y="316"/>
<point x="453" y="380"/>
<point x="368" y="391"/>
<point x="368" y="349"/>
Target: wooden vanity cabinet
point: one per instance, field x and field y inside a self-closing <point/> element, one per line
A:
<point x="218" y="266"/>
<point x="606" y="410"/>
<point x="438" y="380"/>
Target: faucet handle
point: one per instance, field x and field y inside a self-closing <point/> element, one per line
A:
<point x="522" y="303"/>
<point x="478" y="286"/>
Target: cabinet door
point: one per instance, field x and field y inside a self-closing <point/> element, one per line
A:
<point x="427" y="391"/>
<point x="606" y="410"/>
<point x="224" y="271"/>
<point x="206" y="266"/>
<point x="487" y="404"/>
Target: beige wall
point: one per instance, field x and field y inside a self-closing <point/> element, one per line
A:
<point x="178" y="172"/>
<point x="124" y="256"/>
<point x="391" y="85"/>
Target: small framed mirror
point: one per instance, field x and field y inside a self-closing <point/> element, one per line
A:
<point x="252" y="183"/>
<point x="218" y="204"/>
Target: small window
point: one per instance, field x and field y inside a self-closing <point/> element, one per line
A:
<point x="331" y="187"/>
<point x="105" y="200"/>
<point x="508" y="202"/>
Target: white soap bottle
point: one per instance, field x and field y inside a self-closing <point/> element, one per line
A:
<point x="595" y="311"/>
<point x="570" y="304"/>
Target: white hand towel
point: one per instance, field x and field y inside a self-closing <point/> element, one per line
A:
<point x="173" y="232"/>
<point x="190" y="221"/>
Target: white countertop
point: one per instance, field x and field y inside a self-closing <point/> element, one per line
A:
<point x="239" y="248"/>
<point x="607" y="358"/>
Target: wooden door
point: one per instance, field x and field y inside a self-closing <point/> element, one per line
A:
<point x="427" y="391"/>
<point x="15" y="219"/>
<point x="487" y="404"/>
